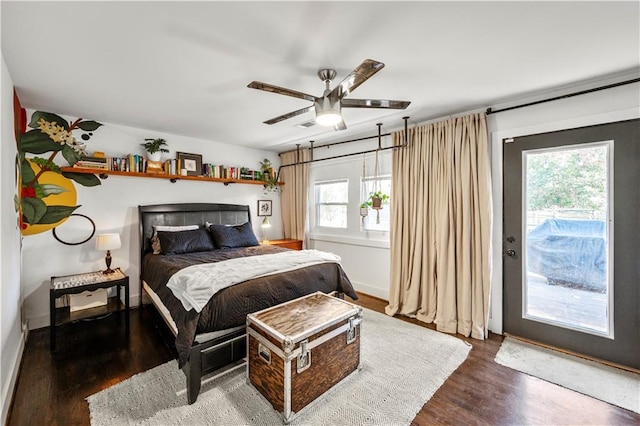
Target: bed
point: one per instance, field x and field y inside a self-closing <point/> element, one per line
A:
<point x="214" y="339"/>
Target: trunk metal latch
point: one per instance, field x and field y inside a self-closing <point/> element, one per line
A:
<point x="304" y="359"/>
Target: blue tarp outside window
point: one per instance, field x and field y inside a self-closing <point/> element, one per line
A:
<point x="569" y="251"/>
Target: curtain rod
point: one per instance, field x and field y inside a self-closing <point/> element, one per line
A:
<point x="327" y="145"/>
<point x="379" y="148"/>
<point x="570" y="95"/>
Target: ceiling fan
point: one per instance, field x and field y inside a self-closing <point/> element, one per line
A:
<point x="328" y="107"/>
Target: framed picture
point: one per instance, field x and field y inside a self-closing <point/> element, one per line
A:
<point x="192" y="163"/>
<point x="264" y="208"/>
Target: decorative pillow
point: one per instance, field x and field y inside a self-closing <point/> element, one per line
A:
<point x="155" y="243"/>
<point x="180" y="242"/>
<point x="233" y="236"/>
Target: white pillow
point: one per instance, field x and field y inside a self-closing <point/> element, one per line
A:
<point x="155" y="242"/>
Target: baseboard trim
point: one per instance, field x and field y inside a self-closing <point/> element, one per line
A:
<point x="370" y="290"/>
<point x="372" y="296"/>
<point x="38" y="321"/>
<point x="9" y="390"/>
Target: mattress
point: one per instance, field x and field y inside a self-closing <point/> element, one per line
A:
<point x="166" y="315"/>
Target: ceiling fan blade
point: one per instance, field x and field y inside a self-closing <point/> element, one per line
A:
<point x="374" y="103"/>
<point x="289" y="115"/>
<point x="358" y="76"/>
<point x="280" y="90"/>
<point x="340" y="126"/>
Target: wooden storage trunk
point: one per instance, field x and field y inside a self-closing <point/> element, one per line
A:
<point x="300" y="349"/>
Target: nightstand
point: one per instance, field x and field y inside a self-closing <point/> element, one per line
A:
<point x="78" y="283"/>
<point x="286" y="243"/>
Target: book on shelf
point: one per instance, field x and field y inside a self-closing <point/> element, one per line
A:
<point x="137" y="163"/>
<point x="170" y="166"/>
<point x="118" y="164"/>
<point x="156" y="167"/>
<point x="232" y="172"/>
<point x="93" y="159"/>
<point x="82" y="165"/>
<point x="212" y="171"/>
<point x="86" y="162"/>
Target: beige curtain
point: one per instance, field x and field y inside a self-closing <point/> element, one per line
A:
<point x="294" y="194"/>
<point x="441" y="226"/>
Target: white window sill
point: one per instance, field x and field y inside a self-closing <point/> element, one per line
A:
<point x="355" y="241"/>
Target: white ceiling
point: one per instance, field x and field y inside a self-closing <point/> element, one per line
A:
<point x="183" y="67"/>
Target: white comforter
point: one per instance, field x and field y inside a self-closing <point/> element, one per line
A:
<point x="196" y="284"/>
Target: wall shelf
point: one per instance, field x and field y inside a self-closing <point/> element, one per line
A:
<point x="103" y="174"/>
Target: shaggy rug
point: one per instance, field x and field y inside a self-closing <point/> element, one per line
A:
<point x="609" y="384"/>
<point x="402" y="367"/>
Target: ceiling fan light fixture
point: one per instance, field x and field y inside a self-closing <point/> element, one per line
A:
<point x="328" y="118"/>
<point x="328" y="112"/>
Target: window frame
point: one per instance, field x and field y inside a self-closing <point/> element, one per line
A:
<point x="350" y="168"/>
<point x="319" y="204"/>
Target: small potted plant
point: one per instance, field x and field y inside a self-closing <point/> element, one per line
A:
<point x="155" y="148"/>
<point x="268" y="176"/>
<point x="376" y="199"/>
<point x="364" y="209"/>
<point x="266" y="168"/>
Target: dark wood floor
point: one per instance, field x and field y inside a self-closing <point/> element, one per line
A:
<point x="94" y="355"/>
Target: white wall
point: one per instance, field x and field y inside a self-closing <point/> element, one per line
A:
<point x="13" y="338"/>
<point x="113" y="208"/>
<point x="365" y="254"/>
<point x="617" y="104"/>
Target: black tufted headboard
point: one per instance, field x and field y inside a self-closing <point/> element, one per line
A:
<point x="187" y="214"/>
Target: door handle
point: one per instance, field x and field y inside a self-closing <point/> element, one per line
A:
<point x="512" y="253"/>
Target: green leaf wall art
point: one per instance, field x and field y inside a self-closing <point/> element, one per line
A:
<point x="47" y="196"/>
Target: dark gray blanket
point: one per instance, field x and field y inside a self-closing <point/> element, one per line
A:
<point x="229" y="307"/>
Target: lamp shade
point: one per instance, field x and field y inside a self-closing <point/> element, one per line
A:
<point x="266" y="223"/>
<point x="108" y="242"/>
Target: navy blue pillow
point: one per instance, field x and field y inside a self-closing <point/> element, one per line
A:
<point x="185" y="241"/>
<point x="233" y="236"/>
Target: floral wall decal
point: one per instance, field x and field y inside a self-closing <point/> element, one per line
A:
<point x="47" y="195"/>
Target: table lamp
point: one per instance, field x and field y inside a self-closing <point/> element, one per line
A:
<point x="265" y="225"/>
<point x="108" y="242"/>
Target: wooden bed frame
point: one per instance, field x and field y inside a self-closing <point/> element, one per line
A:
<point x="228" y="349"/>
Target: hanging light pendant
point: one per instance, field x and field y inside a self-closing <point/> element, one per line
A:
<point x="328" y="111"/>
<point x="328" y="108"/>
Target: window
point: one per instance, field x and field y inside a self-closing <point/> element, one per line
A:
<point x="370" y="222"/>
<point x="331" y="203"/>
<point x="338" y="187"/>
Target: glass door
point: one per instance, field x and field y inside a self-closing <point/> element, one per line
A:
<point x="567" y="203"/>
<point x="571" y="225"/>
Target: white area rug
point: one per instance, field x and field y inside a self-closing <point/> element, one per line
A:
<point x="609" y="384"/>
<point x="402" y="367"/>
